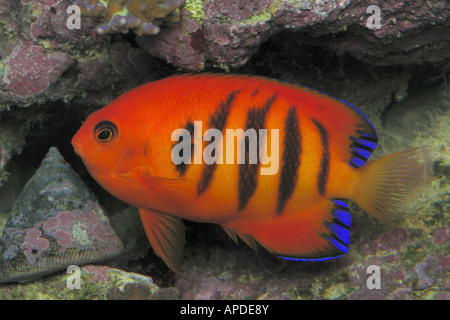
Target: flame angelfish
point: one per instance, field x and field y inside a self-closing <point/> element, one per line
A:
<point x="300" y="212"/>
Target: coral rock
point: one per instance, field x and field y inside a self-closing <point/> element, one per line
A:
<point x="31" y="71"/>
<point x="141" y="16"/>
<point x="232" y="31"/>
<point x="95" y="283"/>
<point x="55" y="222"/>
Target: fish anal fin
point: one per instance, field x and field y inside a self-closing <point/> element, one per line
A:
<point x="248" y="240"/>
<point x="231" y="234"/>
<point x="244" y="237"/>
<point x="166" y="234"/>
<point x="320" y="232"/>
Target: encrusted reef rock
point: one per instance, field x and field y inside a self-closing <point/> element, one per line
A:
<point x="227" y="33"/>
<point x="89" y="282"/>
<point x="30" y="71"/>
<point x="42" y="59"/>
<point x="55" y="222"/>
<point x="141" y="16"/>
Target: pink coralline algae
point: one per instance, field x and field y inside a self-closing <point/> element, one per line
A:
<point x="100" y="273"/>
<point x="63" y="238"/>
<point x="77" y="229"/>
<point x="31" y="71"/>
<point x="34" y="244"/>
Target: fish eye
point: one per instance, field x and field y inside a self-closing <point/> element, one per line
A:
<point x="105" y="132"/>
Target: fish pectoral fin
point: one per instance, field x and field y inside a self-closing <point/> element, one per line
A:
<point x="123" y="176"/>
<point x="175" y="186"/>
<point x="166" y="234"/>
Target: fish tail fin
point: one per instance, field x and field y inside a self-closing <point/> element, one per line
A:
<point x="388" y="183"/>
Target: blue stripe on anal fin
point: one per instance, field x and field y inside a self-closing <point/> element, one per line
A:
<point x="342" y="247"/>
<point x="339" y="240"/>
<point x="340" y="232"/>
<point x="340" y="213"/>
<point x="310" y="259"/>
<point x="331" y="238"/>
<point x="342" y="216"/>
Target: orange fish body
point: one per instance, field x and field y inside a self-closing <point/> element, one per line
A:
<point x="296" y="210"/>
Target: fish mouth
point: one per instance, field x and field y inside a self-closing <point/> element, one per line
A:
<point x="77" y="150"/>
<point x="76" y="145"/>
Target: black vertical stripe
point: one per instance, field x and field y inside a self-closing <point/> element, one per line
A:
<point x="322" y="176"/>
<point x="248" y="173"/>
<point x="290" y="161"/>
<point x="145" y="148"/>
<point x="205" y="178"/>
<point x="216" y="121"/>
<point x="182" y="167"/>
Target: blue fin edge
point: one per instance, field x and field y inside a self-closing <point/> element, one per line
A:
<point x="362" y="148"/>
<point x="312" y="259"/>
<point x="340" y="229"/>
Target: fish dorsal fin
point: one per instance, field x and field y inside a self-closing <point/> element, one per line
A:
<point x="166" y="234"/>
<point x="358" y="136"/>
<point x="361" y="148"/>
<point x="347" y="129"/>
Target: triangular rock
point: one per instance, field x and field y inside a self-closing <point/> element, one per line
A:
<point x="55" y="222"/>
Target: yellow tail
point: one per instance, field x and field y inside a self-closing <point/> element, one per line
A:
<point x="388" y="183"/>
